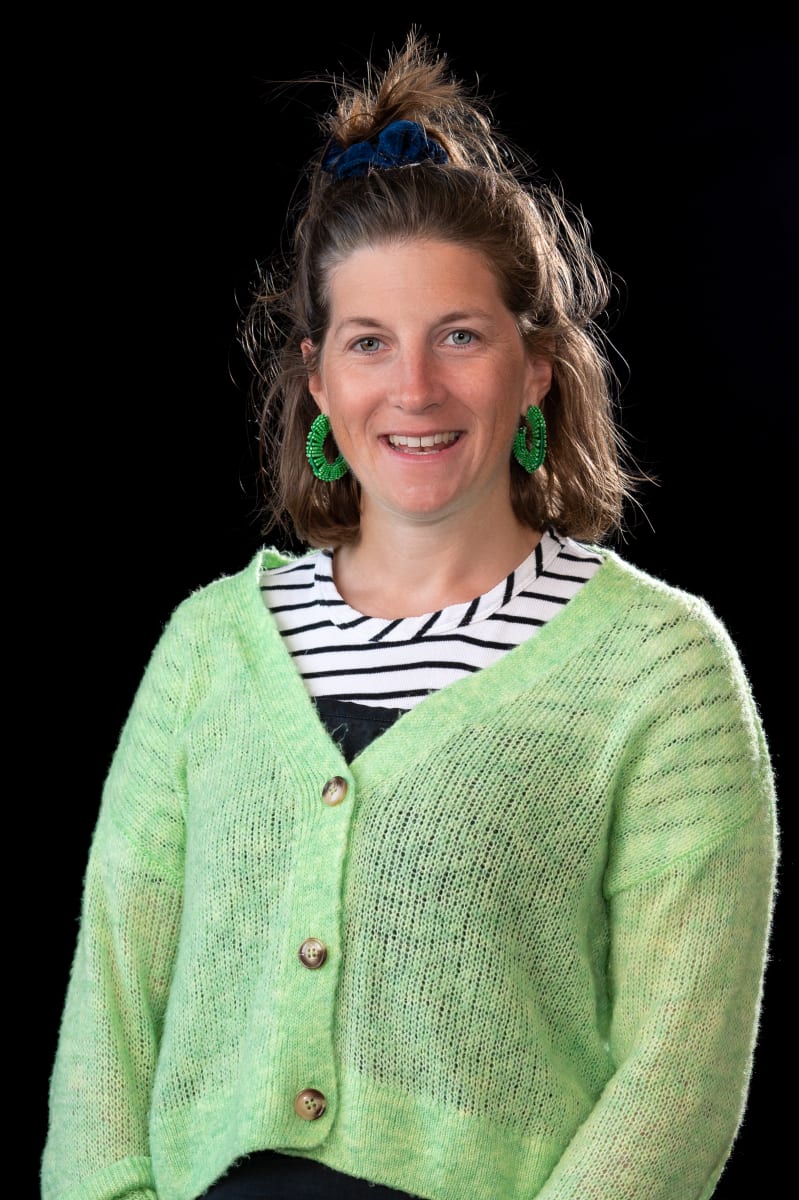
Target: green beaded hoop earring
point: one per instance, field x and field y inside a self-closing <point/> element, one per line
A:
<point x="315" y="452"/>
<point x="531" y="458"/>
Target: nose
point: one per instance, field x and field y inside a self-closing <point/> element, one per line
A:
<point x="418" y="384"/>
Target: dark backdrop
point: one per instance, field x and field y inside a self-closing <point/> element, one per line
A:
<point x="168" y="161"/>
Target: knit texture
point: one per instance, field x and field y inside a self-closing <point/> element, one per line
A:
<point x="545" y="898"/>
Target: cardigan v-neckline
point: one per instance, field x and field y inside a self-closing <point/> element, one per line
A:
<point x="517" y="671"/>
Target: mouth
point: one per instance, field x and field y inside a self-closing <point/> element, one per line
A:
<point x="428" y="443"/>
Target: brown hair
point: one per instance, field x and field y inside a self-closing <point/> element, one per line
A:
<point x="539" y="249"/>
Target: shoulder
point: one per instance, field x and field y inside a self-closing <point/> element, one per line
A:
<point x="231" y="592"/>
<point x="645" y="593"/>
<point x="227" y="608"/>
<point x="662" y="627"/>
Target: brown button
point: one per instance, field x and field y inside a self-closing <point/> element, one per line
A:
<point x="309" y="1104"/>
<point x="334" y="790"/>
<point x="312" y="953"/>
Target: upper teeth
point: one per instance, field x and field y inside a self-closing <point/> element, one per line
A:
<point x="431" y="439"/>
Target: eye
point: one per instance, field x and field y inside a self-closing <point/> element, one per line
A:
<point x="461" y="337"/>
<point x="367" y="345"/>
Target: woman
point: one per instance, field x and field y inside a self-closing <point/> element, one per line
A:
<point x="436" y="860"/>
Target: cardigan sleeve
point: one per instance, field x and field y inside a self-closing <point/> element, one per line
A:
<point x="689" y="888"/>
<point x="97" y="1141"/>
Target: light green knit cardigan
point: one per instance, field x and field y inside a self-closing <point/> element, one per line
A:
<point x="545" y="898"/>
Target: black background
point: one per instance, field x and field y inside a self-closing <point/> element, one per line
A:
<point x="168" y="157"/>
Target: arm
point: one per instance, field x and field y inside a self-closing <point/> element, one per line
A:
<point x="689" y="889"/>
<point x="97" y="1143"/>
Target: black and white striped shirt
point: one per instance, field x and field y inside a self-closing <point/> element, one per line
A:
<point x="374" y="661"/>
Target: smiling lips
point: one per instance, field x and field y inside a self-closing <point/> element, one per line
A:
<point x="421" y="445"/>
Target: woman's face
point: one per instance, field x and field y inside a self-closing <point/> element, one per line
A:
<point x="425" y="379"/>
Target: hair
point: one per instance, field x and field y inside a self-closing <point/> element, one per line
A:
<point x="483" y="198"/>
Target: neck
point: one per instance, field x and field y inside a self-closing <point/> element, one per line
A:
<point x="399" y="569"/>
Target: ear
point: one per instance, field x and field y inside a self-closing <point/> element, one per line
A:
<point x="538" y="381"/>
<point x="315" y="386"/>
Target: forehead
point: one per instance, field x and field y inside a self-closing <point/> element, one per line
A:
<point x="417" y="269"/>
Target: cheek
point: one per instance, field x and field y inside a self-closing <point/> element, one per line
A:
<point x="349" y="397"/>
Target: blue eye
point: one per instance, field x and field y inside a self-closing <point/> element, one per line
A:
<point x="461" y="337"/>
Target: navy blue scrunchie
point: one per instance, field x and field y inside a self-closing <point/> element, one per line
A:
<point x="398" y="145"/>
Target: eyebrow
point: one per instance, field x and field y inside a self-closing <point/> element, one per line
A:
<point x="471" y="314"/>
